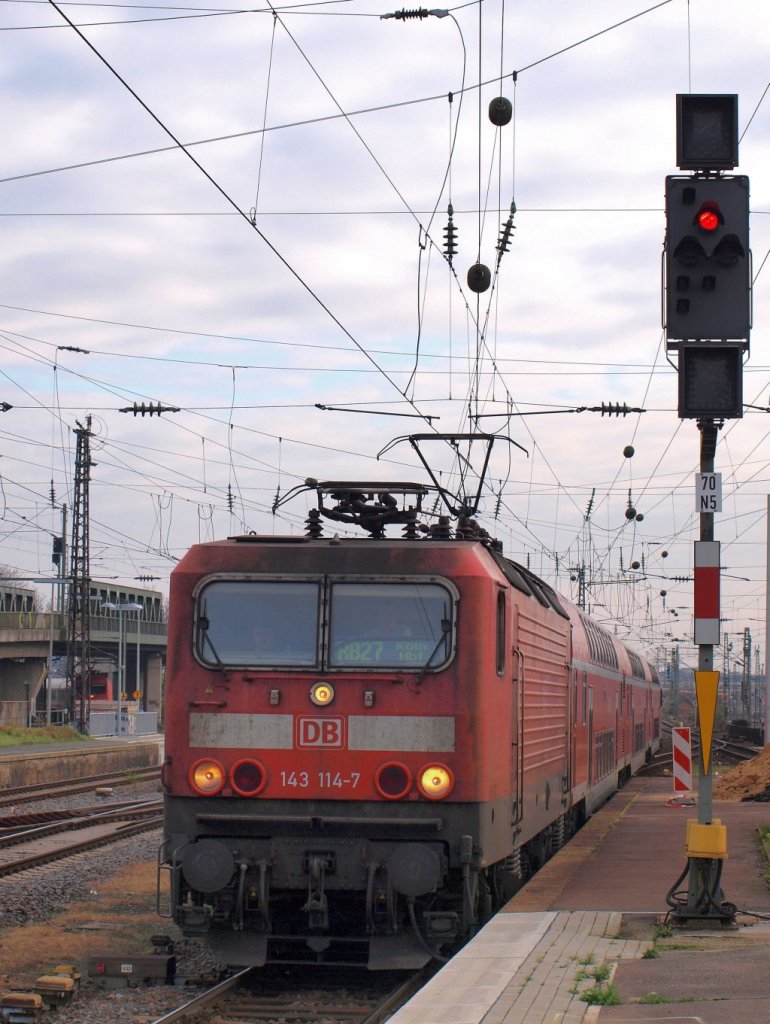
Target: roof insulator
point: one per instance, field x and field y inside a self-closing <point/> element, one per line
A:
<point x="314" y="527"/>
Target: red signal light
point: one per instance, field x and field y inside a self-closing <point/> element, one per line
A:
<point x="709" y="217"/>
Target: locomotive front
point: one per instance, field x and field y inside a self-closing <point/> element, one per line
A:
<point x="321" y="802"/>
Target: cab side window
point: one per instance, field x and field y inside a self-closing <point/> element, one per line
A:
<point x="500" y="633"/>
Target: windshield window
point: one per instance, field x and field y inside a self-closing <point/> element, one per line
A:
<point x="404" y="625"/>
<point x="250" y="622"/>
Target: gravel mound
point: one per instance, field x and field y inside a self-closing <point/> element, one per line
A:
<point x="747" y="780"/>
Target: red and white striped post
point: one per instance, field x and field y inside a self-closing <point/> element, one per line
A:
<point x="707" y="592"/>
<point x="681" y="751"/>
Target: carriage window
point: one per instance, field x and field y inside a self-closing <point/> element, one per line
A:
<point x="585" y="698"/>
<point x="399" y="625"/>
<point x="258" y="623"/>
<point x="500" y="641"/>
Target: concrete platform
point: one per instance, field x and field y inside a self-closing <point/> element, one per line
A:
<point x="632" y="851"/>
<point x="34" y="764"/>
<point x="597" y="906"/>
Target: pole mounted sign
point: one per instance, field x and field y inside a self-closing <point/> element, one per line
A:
<point x="708" y="492"/>
<point x="706" y="690"/>
<point x="707" y="592"/>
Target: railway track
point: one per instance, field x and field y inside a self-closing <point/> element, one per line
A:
<point x="31" y="846"/>
<point x="352" y="998"/>
<point x="724" y="749"/>
<point x="44" y="791"/>
<point x="735" y="751"/>
<point x="13" y="822"/>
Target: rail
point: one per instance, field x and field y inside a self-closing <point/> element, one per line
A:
<point x="362" y="1005"/>
<point x="42" y="847"/>
<point x="43" y="790"/>
<point x="194" y="1006"/>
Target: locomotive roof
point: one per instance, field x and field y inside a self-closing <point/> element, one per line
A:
<point x="466" y="555"/>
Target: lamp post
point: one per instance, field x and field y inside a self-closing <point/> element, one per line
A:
<point x="121" y="608"/>
<point x="138" y="688"/>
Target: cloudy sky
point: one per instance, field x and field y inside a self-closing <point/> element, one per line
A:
<point x="241" y="214"/>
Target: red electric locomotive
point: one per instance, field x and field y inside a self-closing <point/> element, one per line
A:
<point x="371" y="742"/>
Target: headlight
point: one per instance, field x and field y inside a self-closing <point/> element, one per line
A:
<point x="435" y="781"/>
<point x="207" y="776"/>
<point x="393" y="780"/>
<point x="322" y="694"/>
<point x="248" y="777"/>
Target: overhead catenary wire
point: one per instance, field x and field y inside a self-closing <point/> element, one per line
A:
<point x="191" y="14"/>
<point x="316" y="120"/>
<point x="225" y="195"/>
<point x="186" y="398"/>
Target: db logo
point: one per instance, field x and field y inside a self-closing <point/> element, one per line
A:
<point x="320" y="732"/>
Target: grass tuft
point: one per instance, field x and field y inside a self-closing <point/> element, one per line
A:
<point x="601" y="995"/>
<point x="586" y="961"/>
<point x="18" y="735"/>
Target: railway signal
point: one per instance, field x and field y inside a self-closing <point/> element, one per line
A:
<point x="707" y="260"/>
<point x="57" y="549"/>
<point x="708" y="281"/>
<point x="707" y="309"/>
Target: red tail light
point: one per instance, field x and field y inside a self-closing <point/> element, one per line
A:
<point x="393" y="780"/>
<point x="248" y="777"/>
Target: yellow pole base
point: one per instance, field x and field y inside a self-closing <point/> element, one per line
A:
<point x="706" y="841"/>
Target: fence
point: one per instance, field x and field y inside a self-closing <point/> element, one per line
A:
<point x="103" y="723"/>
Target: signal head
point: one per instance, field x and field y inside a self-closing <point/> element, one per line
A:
<point x="709" y="216"/>
<point x="707" y="265"/>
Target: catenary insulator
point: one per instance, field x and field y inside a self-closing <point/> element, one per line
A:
<point x="504" y="241"/>
<point x="450" y="236"/>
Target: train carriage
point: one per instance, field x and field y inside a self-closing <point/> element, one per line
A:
<point x="371" y="742"/>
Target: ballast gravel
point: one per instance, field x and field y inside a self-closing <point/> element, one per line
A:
<point x="34" y="896"/>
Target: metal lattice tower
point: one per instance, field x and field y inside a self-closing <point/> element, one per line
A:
<point x="579" y="574"/>
<point x="79" y="632"/>
<point x="746" y="681"/>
